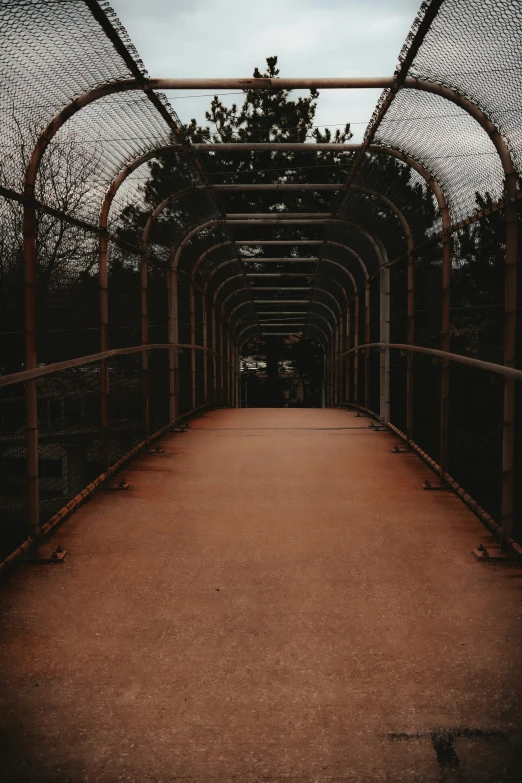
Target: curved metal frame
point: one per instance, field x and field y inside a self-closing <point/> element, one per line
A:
<point x="150" y="84"/>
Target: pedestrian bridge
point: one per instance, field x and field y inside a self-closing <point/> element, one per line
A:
<point x="194" y="589"/>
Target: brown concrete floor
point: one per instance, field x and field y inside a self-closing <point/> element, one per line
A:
<point x="273" y="600"/>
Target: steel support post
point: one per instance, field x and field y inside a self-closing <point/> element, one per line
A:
<point x="31" y="394"/>
<point x="329" y="393"/>
<point x="510" y="331"/>
<point x="338" y="363"/>
<point x="221" y="379"/>
<point x="333" y="373"/>
<point x="232" y="393"/>
<point x="214" y="396"/>
<point x="333" y="368"/>
<point x="324" y="385"/>
<point x="144" y="264"/>
<point x="192" y="299"/>
<point x="367" y="305"/>
<point x="342" y="362"/>
<point x="356" y="352"/>
<point x="384" y="337"/>
<point x="332" y="365"/>
<point x="410" y="340"/>
<point x="204" y="305"/>
<point x="227" y="367"/>
<point x="347" y="394"/>
<point x="445" y="346"/>
<point x="173" y="353"/>
<point x="104" y="346"/>
<point x="238" y="377"/>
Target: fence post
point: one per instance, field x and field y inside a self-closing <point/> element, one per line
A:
<point x="173" y="352"/>
<point x="144" y="340"/>
<point x="367" y="305"/>
<point x="104" y="346"/>
<point x="347" y="394"/>
<point x="356" y="352"/>
<point x="214" y="356"/>
<point x="204" y="306"/>
<point x="410" y="340"/>
<point x="384" y="337"/>
<point x="193" y="342"/>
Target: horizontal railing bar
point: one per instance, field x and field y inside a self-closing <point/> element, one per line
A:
<point x="282" y="146"/>
<point x="278" y="274"/>
<point x="277" y="215"/>
<point x="498" y="369"/>
<point x="80" y="361"/>
<point x="240" y="242"/>
<point x="276" y="185"/>
<point x="313" y="260"/>
<point x="281" y="301"/>
<point x="280" y="288"/>
<point x="279" y="312"/>
<point x="267" y="83"/>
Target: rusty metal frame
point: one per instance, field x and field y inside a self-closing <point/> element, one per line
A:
<point x="148" y="85"/>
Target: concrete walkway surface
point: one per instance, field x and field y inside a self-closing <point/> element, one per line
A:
<point x="275" y="599"/>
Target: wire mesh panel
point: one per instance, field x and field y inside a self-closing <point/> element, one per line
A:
<point x="476" y="435"/>
<point x="158" y="389"/>
<point x="126" y="427"/>
<point x="13" y="468"/>
<point x="69" y="435"/>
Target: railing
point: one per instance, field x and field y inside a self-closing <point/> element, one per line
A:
<point x="476" y="477"/>
<point x="79" y="446"/>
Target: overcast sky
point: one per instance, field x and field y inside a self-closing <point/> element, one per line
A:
<point x="228" y="38"/>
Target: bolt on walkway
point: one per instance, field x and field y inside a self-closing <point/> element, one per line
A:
<point x="275" y="598"/>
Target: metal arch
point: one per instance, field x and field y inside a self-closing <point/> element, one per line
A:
<point x="103" y="239"/>
<point x="347" y="271"/>
<point x="318" y="315"/>
<point x="205" y="255"/>
<point x="428" y="177"/>
<point x="314" y="337"/>
<point x="343" y="289"/>
<point x="282" y="315"/>
<point x="322" y="290"/>
<point x="299" y="302"/>
<point x="235" y="309"/>
<point x="257" y="219"/>
<point x="217" y="268"/>
<point x="313" y="326"/>
<point x="368" y="236"/>
<point x="235" y="291"/>
<point x="262" y="219"/>
<point x="157" y="211"/>
<point x="30" y="251"/>
<point x="291" y="242"/>
<point x="240" y="344"/>
<point x="324" y="345"/>
<point x="147" y="84"/>
<point x="224" y="283"/>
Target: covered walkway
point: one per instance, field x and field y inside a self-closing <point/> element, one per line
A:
<point x="274" y="599"/>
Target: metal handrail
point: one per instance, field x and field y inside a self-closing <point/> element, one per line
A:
<point x="499" y="369"/>
<point x="49" y="369"/>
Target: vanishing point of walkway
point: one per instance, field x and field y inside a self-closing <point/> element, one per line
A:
<point x="274" y="599"/>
